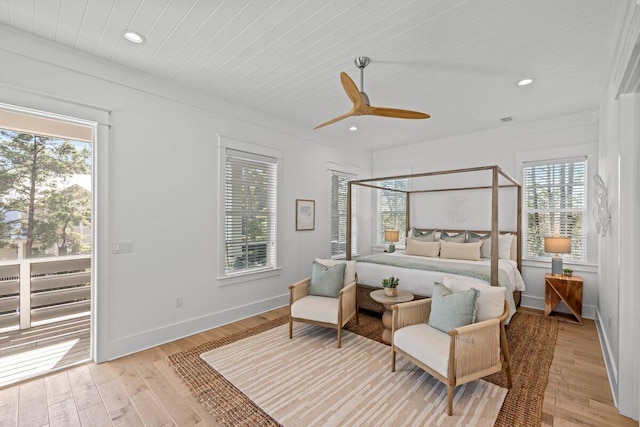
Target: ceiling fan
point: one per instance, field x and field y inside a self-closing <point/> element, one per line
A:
<point x="361" y="105"/>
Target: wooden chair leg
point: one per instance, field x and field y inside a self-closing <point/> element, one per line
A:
<point x="393" y="359"/>
<point x="505" y="355"/>
<point x="450" y="390"/>
<point x="509" y="380"/>
<point x="290" y="328"/>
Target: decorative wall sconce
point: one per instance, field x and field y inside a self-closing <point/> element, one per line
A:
<point x="601" y="213"/>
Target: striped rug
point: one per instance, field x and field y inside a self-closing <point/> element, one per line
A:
<point x="307" y="381"/>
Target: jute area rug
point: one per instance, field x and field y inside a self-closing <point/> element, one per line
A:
<point x="531" y="341"/>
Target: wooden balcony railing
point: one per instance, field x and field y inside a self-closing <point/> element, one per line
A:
<point x="38" y="291"/>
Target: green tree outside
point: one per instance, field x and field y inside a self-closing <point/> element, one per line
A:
<point x="34" y="173"/>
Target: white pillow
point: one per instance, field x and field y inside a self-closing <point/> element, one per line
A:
<point x="452" y="250"/>
<point x="490" y="302"/>
<point x="349" y="270"/>
<point x="416" y="247"/>
<point x="504" y="246"/>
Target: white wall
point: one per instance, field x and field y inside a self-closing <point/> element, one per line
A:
<point x="157" y="180"/>
<point x="608" y="291"/>
<point x="505" y="147"/>
<point x="617" y="312"/>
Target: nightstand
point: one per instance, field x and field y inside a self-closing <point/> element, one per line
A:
<point x="567" y="290"/>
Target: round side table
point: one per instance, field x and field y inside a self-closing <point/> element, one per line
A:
<point x="387" y="302"/>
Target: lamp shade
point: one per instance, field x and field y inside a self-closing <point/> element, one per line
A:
<point x="391" y="235"/>
<point x="557" y="245"/>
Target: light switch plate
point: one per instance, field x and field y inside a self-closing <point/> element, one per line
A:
<point x="123" y="246"/>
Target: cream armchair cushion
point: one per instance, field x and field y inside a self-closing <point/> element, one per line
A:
<point x="412" y="340"/>
<point x="318" y="309"/>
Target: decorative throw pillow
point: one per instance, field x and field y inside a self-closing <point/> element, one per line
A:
<point x="423" y="236"/>
<point x="327" y="281"/>
<point x="467" y="251"/>
<point x="457" y="238"/>
<point x="490" y="302"/>
<point x="349" y="271"/>
<point x="418" y="247"/>
<point x="475" y="237"/>
<point x="504" y="247"/>
<point x="452" y="310"/>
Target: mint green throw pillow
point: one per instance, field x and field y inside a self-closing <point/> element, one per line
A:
<point x="452" y="310"/>
<point x="424" y="236"/>
<point x="455" y="238"/>
<point x="327" y="281"/>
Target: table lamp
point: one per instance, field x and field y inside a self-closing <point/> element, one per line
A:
<point x="557" y="245"/>
<point x="391" y="236"/>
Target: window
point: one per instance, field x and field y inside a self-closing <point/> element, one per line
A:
<point x="555" y="204"/>
<point x="392" y="206"/>
<point x="339" y="188"/>
<point x="250" y="206"/>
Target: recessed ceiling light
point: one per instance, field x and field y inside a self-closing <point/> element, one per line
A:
<point x="134" y="37"/>
<point x="353" y="128"/>
<point x="525" y="82"/>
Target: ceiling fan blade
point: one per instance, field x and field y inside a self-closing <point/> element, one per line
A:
<point x="360" y="100"/>
<point x="337" y="119"/>
<point x="396" y="113"/>
<point x="351" y="89"/>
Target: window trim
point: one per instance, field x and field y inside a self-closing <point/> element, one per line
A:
<point x="590" y="152"/>
<point x="224" y="143"/>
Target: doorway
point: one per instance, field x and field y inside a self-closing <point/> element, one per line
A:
<point x="46" y="242"/>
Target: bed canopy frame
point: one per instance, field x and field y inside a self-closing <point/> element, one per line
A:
<point x="496" y="173"/>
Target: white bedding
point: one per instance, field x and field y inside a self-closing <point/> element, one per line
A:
<point x="420" y="282"/>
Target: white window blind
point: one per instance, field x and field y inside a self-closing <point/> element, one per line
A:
<point x="555" y="204"/>
<point x="392" y="206"/>
<point x="250" y="211"/>
<point x="339" y="189"/>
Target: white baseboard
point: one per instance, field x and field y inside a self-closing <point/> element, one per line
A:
<point x="113" y="349"/>
<point x="609" y="360"/>
<point x="588" y="311"/>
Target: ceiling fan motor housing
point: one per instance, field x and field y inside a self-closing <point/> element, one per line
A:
<point x="362" y="61"/>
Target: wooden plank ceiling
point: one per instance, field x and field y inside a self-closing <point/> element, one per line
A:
<point x="458" y="60"/>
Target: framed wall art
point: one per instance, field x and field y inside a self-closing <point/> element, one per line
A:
<point x="305" y="215"/>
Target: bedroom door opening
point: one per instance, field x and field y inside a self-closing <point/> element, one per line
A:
<point x="46" y="242"/>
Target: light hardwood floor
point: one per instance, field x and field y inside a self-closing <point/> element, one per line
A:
<point x="42" y="349"/>
<point x="141" y="390"/>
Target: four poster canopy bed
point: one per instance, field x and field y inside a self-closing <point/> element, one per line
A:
<point x="491" y="256"/>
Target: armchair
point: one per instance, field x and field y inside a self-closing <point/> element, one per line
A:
<point x="322" y="310"/>
<point x="464" y="354"/>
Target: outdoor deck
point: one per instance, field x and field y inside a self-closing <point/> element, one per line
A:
<point x="43" y="349"/>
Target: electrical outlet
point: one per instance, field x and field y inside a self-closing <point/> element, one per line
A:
<point x="178" y="302"/>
